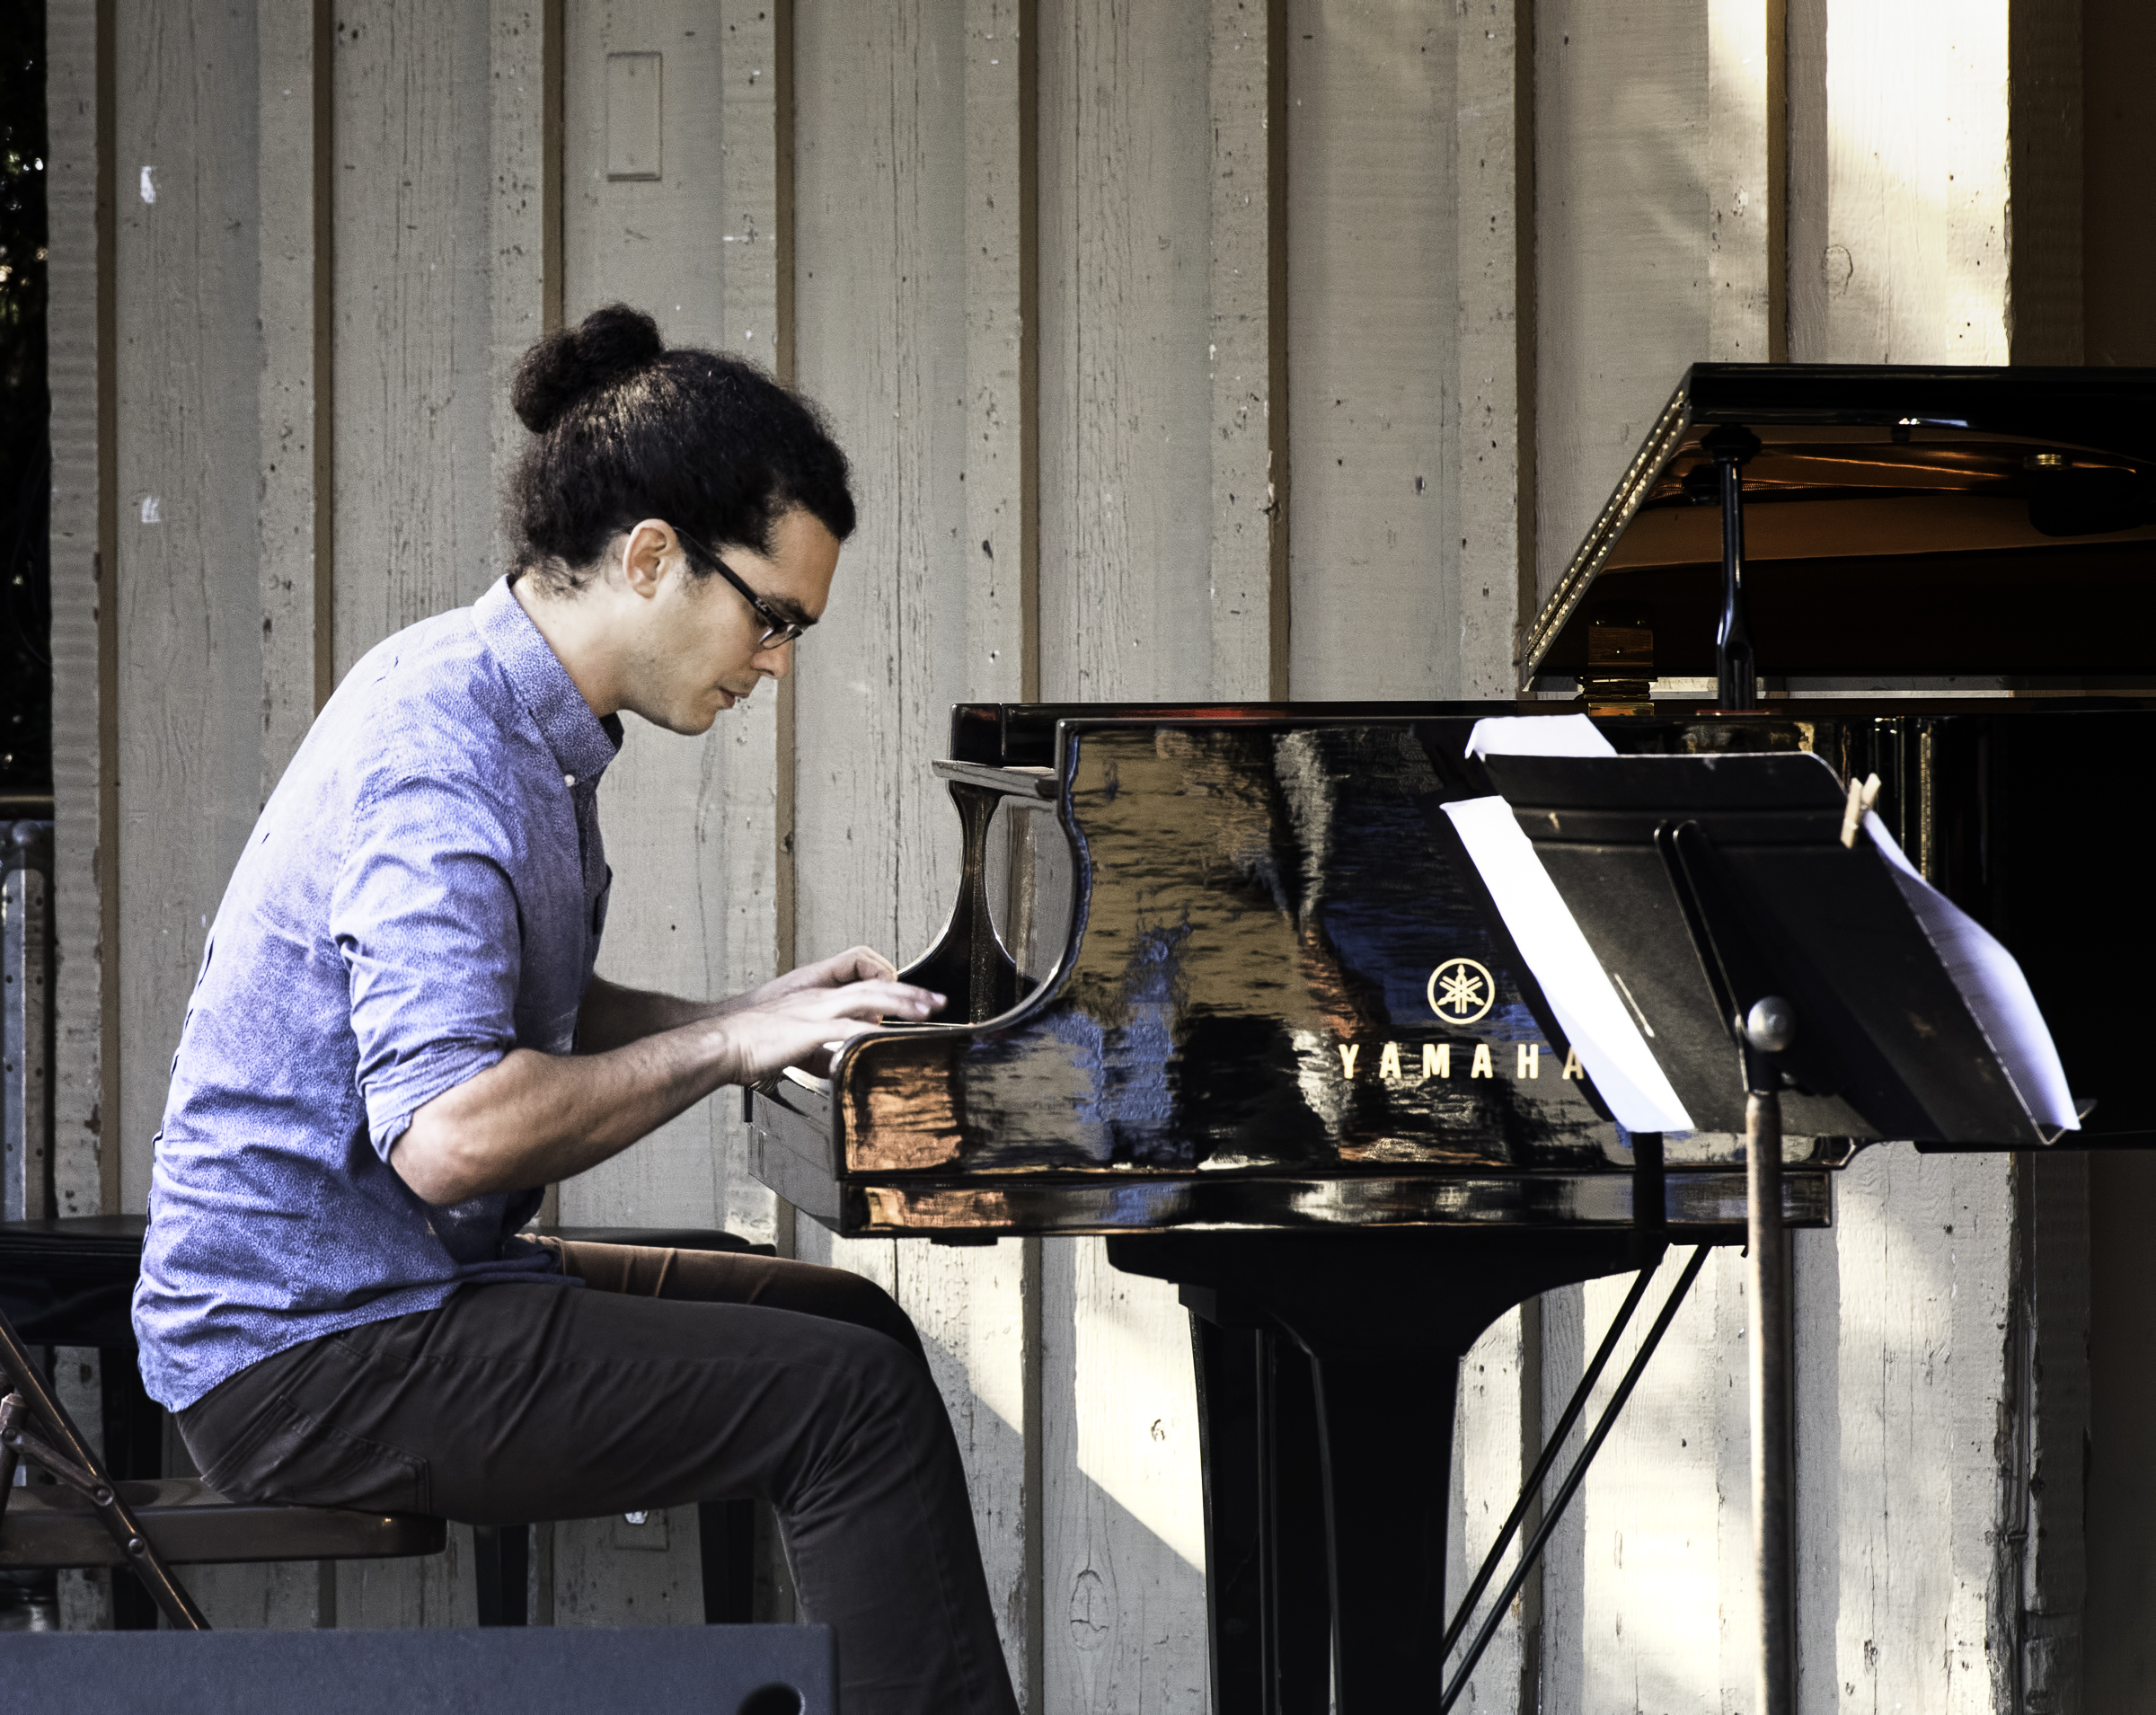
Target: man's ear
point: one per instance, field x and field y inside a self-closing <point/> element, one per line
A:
<point x="644" y="552"/>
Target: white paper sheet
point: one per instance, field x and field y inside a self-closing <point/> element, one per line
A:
<point x="1992" y="983"/>
<point x="1595" y="1022"/>
<point x="1538" y="735"/>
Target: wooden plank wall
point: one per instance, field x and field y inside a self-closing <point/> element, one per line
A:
<point x="410" y="94"/>
<point x="674" y="814"/>
<point x="908" y="126"/>
<point x="1267" y="346"/>
<point x="188" y="652"/>
<point x="79" y="342"/>
<point x="1652" y="247"/>
<point x="1127" y="408"/>
<point x="1373" y="339"/>
<point x="78" y="154"/>
<point x="1915" y="1316"/>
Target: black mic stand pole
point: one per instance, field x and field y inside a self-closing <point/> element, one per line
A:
<point x="1767" y="1030"/>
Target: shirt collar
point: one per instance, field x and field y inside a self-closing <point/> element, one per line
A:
<point x="582" y="743"/>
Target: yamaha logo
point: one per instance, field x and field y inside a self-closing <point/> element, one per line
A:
<point x="1462" y="991"/>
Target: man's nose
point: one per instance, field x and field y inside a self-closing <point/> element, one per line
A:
<point x="773" y="663"/>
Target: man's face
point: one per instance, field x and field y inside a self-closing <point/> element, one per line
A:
<point x="701" y="649"/>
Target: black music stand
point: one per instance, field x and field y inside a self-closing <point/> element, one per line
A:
<point x="1772" y="963"/>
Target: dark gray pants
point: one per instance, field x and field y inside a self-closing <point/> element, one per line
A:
<point x="671" y="1377"/>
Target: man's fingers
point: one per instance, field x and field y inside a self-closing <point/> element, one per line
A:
<point x="875" y="1000"/>
<point x="861" y="965"/>
<point x="795" y="1030"/>
<point x="869" y="1001"/>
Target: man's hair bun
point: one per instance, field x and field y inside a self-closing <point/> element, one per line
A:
<point x="626" y="429"/>
<point x="571" y="364"/>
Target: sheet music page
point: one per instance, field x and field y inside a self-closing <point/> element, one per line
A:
<point x="1595" y="1022"/>
<point x="1992" y="983"/>
<point x="1538" y="735"/>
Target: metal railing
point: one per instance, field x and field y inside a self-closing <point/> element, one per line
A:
<point x="26" y="1035"/>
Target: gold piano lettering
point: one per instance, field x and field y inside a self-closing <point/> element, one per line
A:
<point x="1388" y="1063"/>
<point x="1437" y="1059"/>
<point x="1528" y="1061"/>
<point x="1572" y="1069"/>
<point x="1481" y="1067"/>
<point x="1348" y="1050"/>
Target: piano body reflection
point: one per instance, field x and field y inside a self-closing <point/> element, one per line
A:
<point x="1227" y="988"/>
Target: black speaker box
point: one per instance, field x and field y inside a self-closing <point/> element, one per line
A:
<point x="568" y="1670"/>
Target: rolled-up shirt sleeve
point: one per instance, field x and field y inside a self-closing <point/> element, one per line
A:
<point x="424" y="912"/>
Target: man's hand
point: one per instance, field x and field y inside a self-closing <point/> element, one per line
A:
<point x="533" y="1118"/>
<point x="788" y="1023"/>
<point x="614" y="1016"/>
<point x="855" y="964"/>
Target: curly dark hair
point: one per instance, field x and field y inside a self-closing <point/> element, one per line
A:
<point x="624" y="429"/>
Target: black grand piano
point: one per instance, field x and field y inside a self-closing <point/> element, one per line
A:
<point x="1233" y="996"/>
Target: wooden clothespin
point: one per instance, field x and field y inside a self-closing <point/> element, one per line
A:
<point x="1862" y="795"/>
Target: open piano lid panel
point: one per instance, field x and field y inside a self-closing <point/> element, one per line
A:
<point x="1914" y="522"/>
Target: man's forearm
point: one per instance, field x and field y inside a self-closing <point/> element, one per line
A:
<point x="612" y="1016"/>
<point x="531" y="1118"/>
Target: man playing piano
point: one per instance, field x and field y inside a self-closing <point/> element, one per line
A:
<point x="396" y="1039"/>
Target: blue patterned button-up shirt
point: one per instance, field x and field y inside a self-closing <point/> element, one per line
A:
<point x="425" y="891"/>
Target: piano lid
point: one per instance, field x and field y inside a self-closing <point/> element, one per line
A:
<point x="1914" y="522"/>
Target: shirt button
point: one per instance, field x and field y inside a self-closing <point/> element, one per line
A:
<point x="568" y="780"/>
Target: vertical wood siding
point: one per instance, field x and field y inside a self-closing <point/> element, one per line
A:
<point x="908" y="213"/>
<point x="1494" y="246"/>
<point x="660" y="246"/>
<point x="413" y="369"/>
<point x="1918" y="1382"/>
<point x="294" y="574"/>
<point x="415" y="376"/>
<point x="523" y="224"/>
<point x="1373" y="350"/>
<point x="999" y="543"/>
<point x="1916" y="266"/>
<point x="189" y="644"/>
<point x="1248" y="445"/>
<point x="1622" y="205"/>
<point x="1498" y="1412"/>
<point x="1126" y="389"/>
<point x="1656" y="253"/>
<point x="79" y="372"/>
<point x="1143" y="238"/>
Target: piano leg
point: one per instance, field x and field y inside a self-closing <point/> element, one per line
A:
<point x="1298" y="1598"/>
<point x="1229" y="1361"/>
<point x="1387" y="1434"/>
<point x="1384" y="1318"/>
<point x="1268" y="1604"/>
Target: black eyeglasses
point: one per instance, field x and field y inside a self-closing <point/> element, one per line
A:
<point x="779" y="629"/>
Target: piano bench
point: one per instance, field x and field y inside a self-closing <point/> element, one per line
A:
<point x="191" y="1525"/>
<point x="68" y="1282"/>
